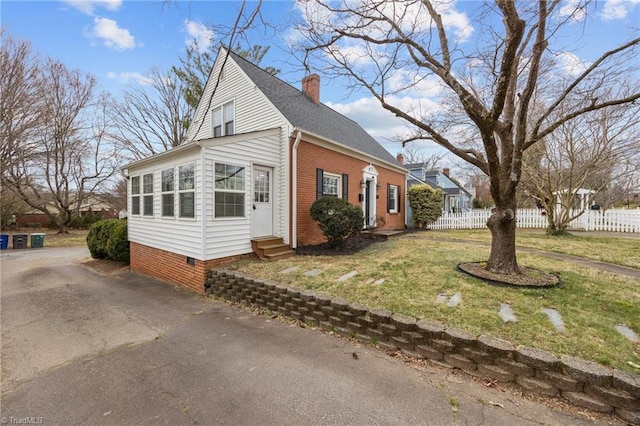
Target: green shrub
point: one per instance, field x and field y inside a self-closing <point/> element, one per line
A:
<point x="426" y="205"/>
<point x="108" y="239"/>
<point x="118" y="242"/>
<point x="337" y="218"/>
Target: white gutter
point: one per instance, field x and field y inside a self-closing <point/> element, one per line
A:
<point x="294" y="197"/>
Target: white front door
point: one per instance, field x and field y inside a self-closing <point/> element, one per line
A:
<point x="262" y="214"/>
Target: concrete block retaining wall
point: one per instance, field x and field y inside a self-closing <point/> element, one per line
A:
<point x="583" y="383"/>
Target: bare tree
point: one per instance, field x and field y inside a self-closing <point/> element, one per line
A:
<point x="587" y="153"/>
<point x="491" y="84"/>
<point x="413" y="154"/>
<point x="63" y="159"/>
<point x="19" y="117"/>
<point x="151" y="118"/>
<point x="197" y="64"/>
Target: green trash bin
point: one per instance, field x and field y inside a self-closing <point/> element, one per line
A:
<point x="37" y="240"/>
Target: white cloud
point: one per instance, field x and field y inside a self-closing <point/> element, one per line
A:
<point x="126" y="77"/>
<point x="574" y="9"/>
<point x="618" y="9"/>
<point x="571" y="64"/>
<point x="199" y="35"/>
<point x="458" y="22"/>
<point x="111" y="34"/>
<point x="89" y="6"/>
<point x="380" y="123"/>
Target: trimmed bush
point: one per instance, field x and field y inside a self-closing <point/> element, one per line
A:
<point x="337" y="218"/>
<point x="108" y="239"/>
<point x="426" y="205"/>
<point x="118" y="242"/>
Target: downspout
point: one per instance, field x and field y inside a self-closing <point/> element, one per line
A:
<point x="203" y="191"/>
<point x="294" y="190"/>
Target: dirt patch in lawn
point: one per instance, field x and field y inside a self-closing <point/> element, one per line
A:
<point x="351" y="246"/>
<point x="529" y="277"/>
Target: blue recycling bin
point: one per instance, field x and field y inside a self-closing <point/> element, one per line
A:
<point x="4" y="241"/>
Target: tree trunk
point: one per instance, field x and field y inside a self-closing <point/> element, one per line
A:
<point x="502" y="224"/>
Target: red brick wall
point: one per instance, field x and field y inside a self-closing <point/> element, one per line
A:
<point x="173" y="267"/>
<point x="311" y="157"/>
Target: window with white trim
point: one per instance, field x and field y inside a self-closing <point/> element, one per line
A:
<point x="147" y="197"/>
<point x="187" y="190"/>
<point x="331" y="185"/>
<point x="135" y="195"/>
<point x="223" y="120"/>
<point x="168" y="195"/>
<point x="393" y="198"/>
<point x="229" y="191"/>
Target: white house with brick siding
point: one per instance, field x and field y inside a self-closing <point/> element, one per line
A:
<point x="259" y="153"/>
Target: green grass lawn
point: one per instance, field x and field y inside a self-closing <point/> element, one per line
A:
<point x="619" y="251"/>
<point x="418" y="267"/>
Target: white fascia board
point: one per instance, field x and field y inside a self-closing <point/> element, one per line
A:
<point x="163" y="156"/>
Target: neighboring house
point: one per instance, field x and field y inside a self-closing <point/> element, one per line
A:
<point x="259" y="152"/>
<point x="455" y="198"/>
<point x="578" y="199"/>
<point x="91" y="203"/>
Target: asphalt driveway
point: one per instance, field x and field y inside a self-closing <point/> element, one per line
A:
<point x="82" y="347"/>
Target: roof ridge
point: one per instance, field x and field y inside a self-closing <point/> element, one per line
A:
<point x="289" y="84"/>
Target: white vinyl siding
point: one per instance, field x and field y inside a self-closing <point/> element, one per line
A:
<point x="251" y="110"/>
<point x="176" y="236"/>
<point x="228" y="236"/>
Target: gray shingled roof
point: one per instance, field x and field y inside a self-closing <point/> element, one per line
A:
<point x="305" y="114"/>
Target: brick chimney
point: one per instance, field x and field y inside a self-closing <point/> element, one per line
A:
<point x="400" y="158"/>
<point x="311" y="87"/>
<point x="445" y="171"/>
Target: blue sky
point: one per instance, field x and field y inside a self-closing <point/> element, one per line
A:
<point x="120" y="41"/>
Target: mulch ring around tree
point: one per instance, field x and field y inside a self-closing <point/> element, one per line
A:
<point x="528" y="278"/>
<point x="351" y="246"/>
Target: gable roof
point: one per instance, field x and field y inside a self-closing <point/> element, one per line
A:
<point x="305" y="114"/>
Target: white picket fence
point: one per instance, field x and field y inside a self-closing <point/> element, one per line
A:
<point x="613" y="220"/>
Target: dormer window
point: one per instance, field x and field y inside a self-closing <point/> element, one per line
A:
<point x="223" y="119"/>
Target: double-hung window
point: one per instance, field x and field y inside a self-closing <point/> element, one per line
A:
<point x="331" y="185"/>
<point x="186" y="190"/>
<point x="223" y="120"/>
<point x="393" y="198"/>
<point x="135" y="195"/>
<point x="229" y="190"/>
<point x="147" y="191"/>
<point x="168" y="196"/>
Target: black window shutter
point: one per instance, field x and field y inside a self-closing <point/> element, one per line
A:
<point x="389" y="201"/>
<point x="345" y="187"/>
<point x="319" y="183"/>
<point x="399" y="199"/>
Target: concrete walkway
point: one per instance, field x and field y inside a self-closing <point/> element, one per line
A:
<point x="79" y="347"/>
